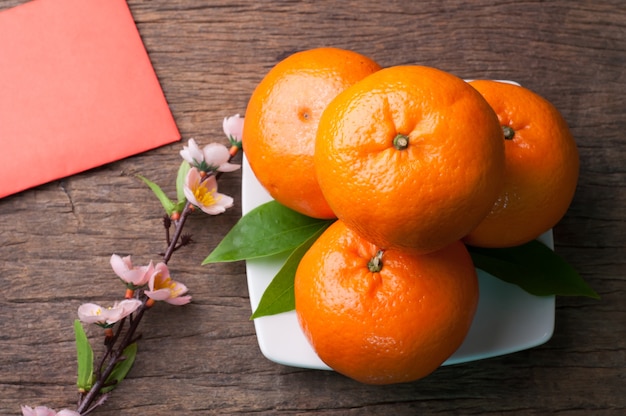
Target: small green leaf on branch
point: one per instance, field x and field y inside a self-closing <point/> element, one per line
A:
<point x="84" y="358"/>
<point x="167" y="204"/>
<point x="180" y="183"/>
<point x="121" y="369"/>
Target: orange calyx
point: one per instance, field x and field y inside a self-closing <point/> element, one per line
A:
<point x="129" y="293"/>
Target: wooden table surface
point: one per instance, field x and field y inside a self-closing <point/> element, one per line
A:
<point x="56" y="239"/>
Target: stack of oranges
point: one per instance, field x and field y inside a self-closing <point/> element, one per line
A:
<point x="414" y="163"/>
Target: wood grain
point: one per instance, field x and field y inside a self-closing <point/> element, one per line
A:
<point x="56" y="239"/>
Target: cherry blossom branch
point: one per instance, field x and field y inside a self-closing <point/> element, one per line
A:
<point x="147" y="284"/>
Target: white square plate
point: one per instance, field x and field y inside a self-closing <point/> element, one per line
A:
<point x="507" y="320"/>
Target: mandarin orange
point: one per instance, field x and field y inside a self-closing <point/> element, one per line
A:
<point x="281" y="120"/>
<point x="383" y="317"/>
<point x="541" y="171"/>
<point x="410" y="157"/>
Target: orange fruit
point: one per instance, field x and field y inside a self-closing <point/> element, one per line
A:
<point x="541" y="170"/>
<point x="281" y="122"/>
<point x="394" y="325"/>
<point x="410" y="157"/>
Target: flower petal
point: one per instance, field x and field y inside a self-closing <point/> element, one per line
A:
<point x="67" y="412"/>
<point x="162" y="287"/>
<point x="90" y="313"/>
<point x="127" y="306"/>
<point x="228" y="167"/>
<point x="222" y="202"/>
<point x="161" y="273"/>
<point x="139" y="276"/>
<point x="192" y="181"/>
<point x="160" y="294"/>
<point x="123" y="268"/>
<point x="177" y="288"/>
<point x="215" y="154"/>
<point x="213" y="209"/>
<point x="216" y="157"/>
<point x="120" y="265"/>
<point x="233" y="127"/>
<point x="37" y="411"/>
<point x="121" y="310"/>
<point x="193" y="178"/>
<point x="28" y="411"/>
<point x="192" y="153"/>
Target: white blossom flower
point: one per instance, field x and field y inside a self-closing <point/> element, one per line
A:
<point x="212" y="157"/>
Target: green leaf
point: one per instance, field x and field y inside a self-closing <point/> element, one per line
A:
<point x="268" y="229"/>
<point x="121" y="369"/>
<point x="180" y="184"/>
<point x="279" y="296"/>
<point x="84" y="358"/>
<point x="180" y="205"/>
<point x="168" y="205"/>
<point x="534" y="267"/>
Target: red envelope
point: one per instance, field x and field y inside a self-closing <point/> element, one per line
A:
<point x="77" y="90"/>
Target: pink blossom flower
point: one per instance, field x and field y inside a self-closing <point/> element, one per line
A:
<point x="45" y="411"/>
<point x="212" y="157"/>
<point x="202" y="192"/>
<point x="134" y="276"/>
<point x="162" y="287"/>
<point x="90" y="313"/>
<point x="233" y="127"/>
